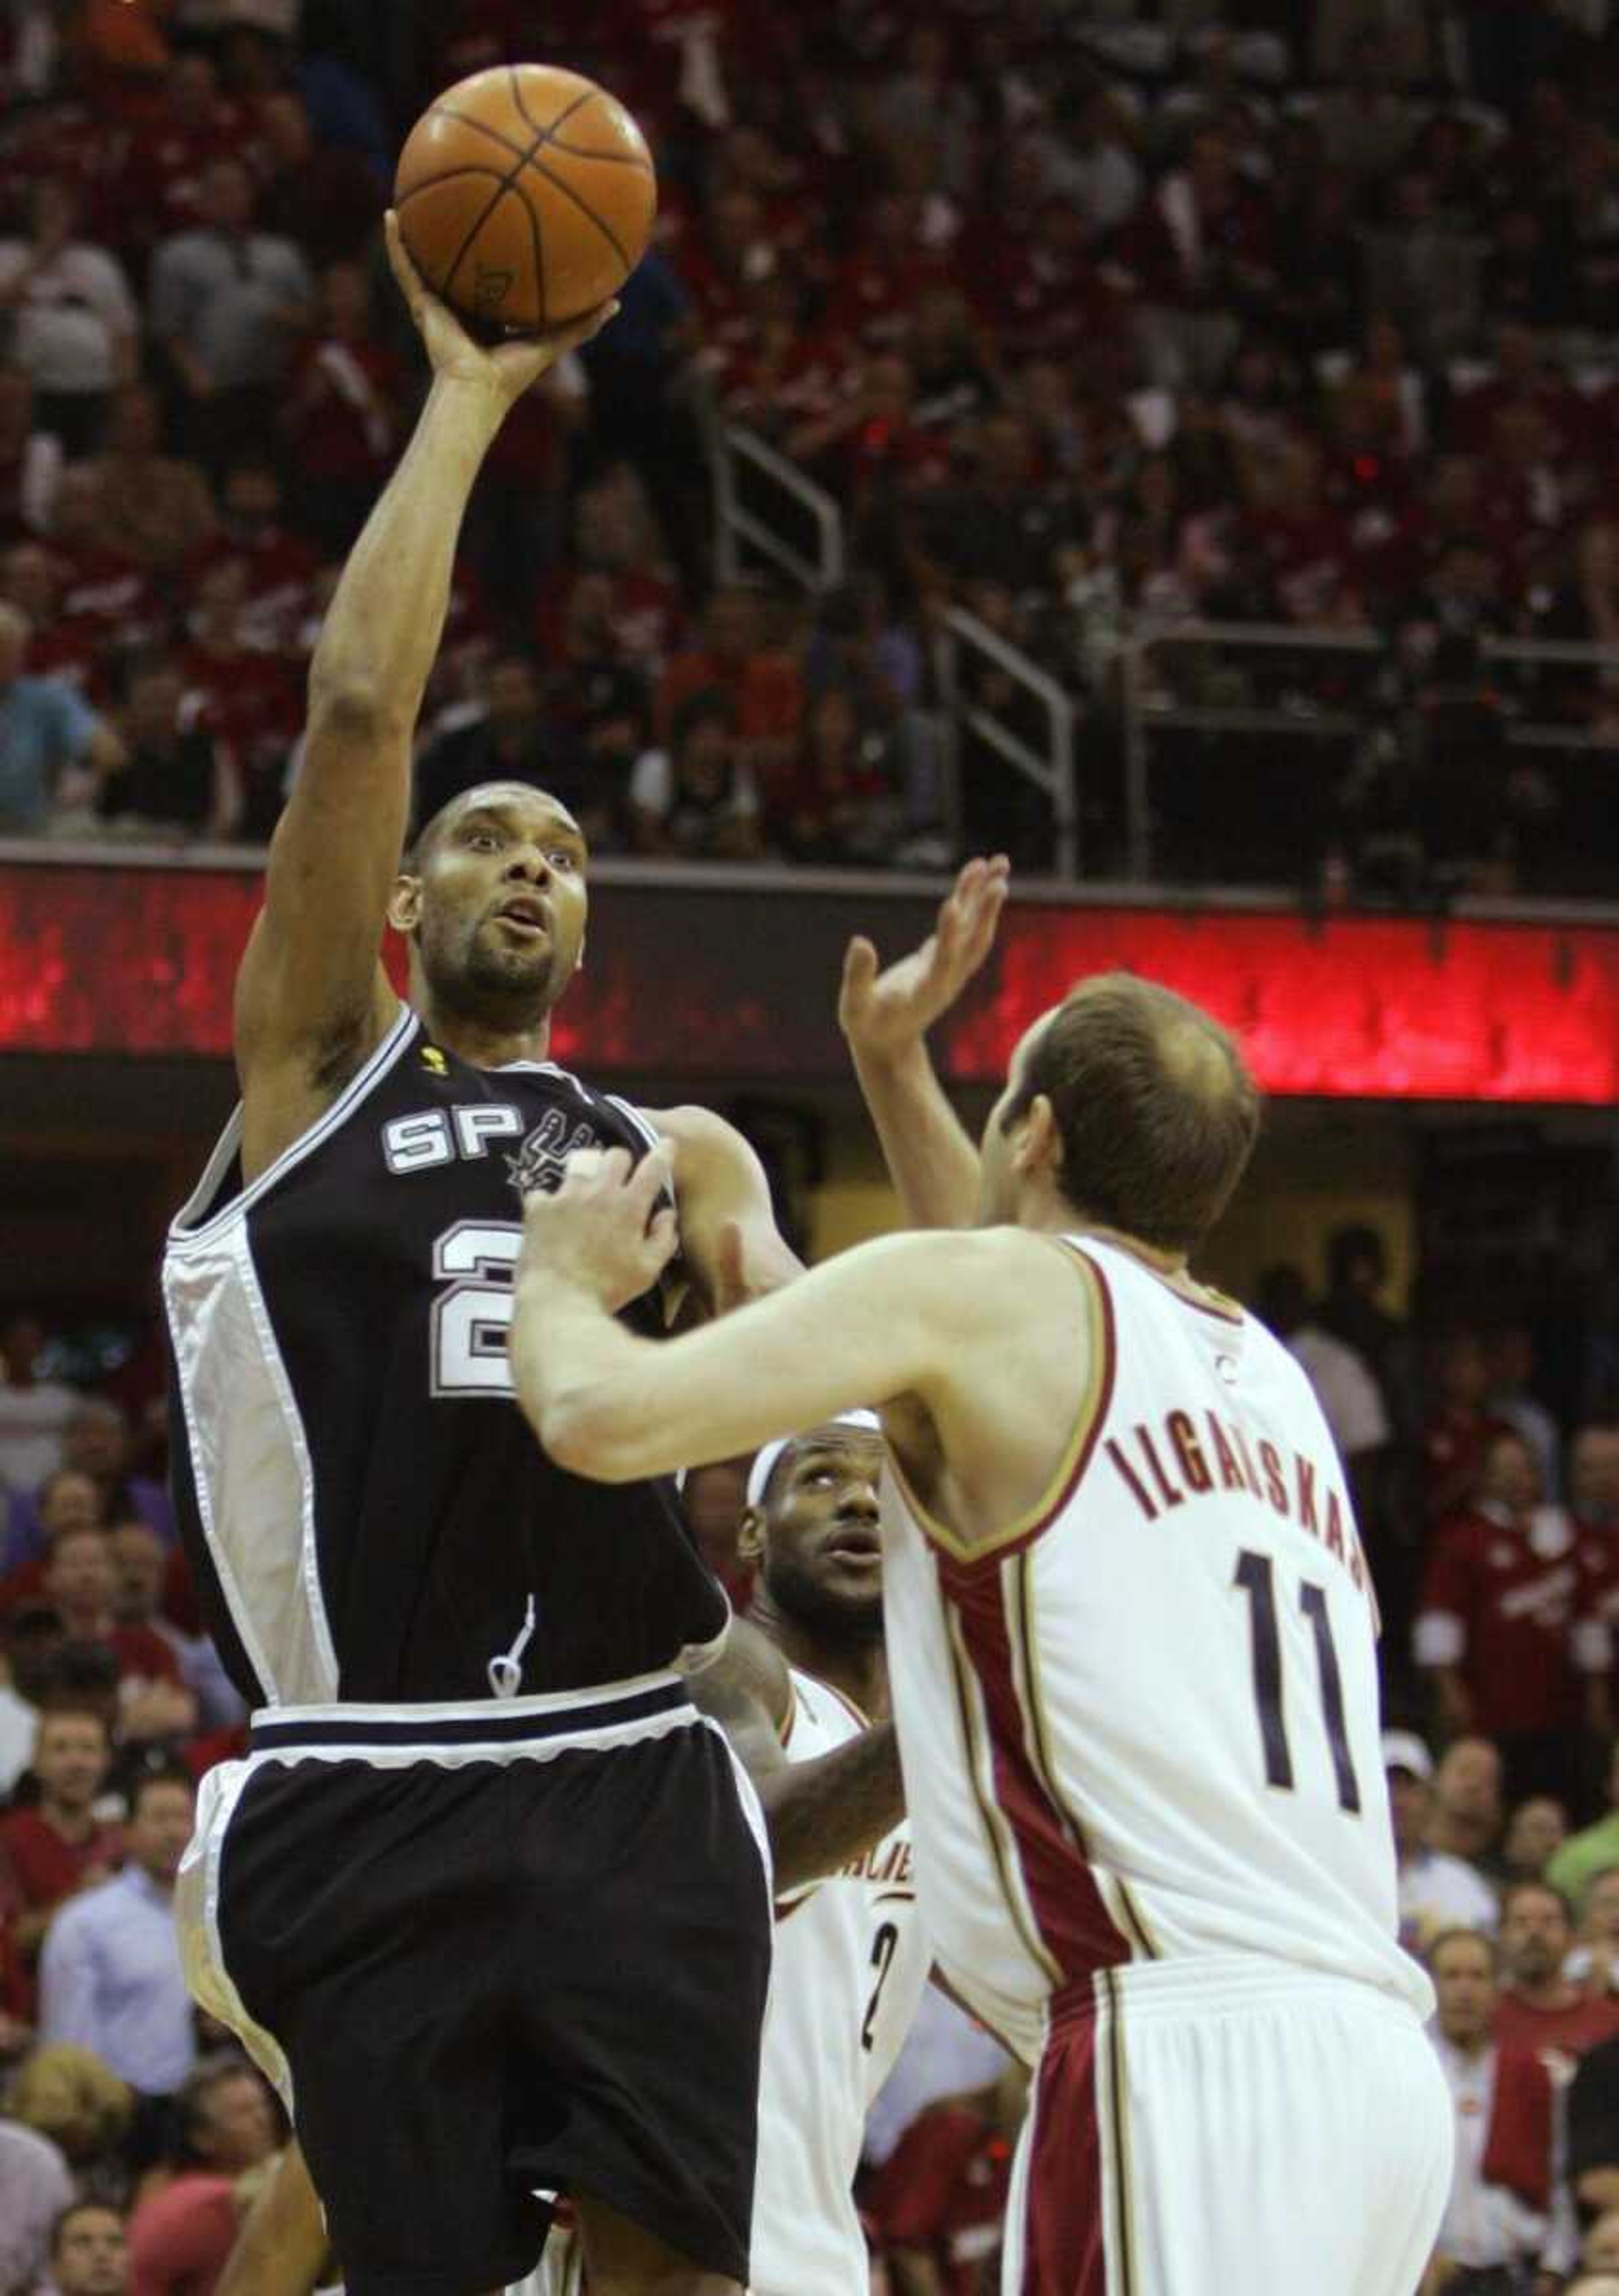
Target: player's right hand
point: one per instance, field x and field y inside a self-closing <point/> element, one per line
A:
<point x="608" y="1231"/>
<point x="885" y="1014"/>
<point x="506" y="369"/>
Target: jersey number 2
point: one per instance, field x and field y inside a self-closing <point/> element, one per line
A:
<point x="881" y="1960"/>
<point x="1256" y="1576"/>
<point x="471" y="1316"/>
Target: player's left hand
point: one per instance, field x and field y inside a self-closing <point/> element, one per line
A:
<point x="604" y="1231"/>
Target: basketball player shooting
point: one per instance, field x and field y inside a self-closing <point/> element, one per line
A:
<point x="1130" y="1632"/>
<point x="487" y="1897"/>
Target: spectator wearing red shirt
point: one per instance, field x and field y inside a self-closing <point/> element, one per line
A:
<point x="320" y="196"/>
<point x="838" y="804"/>
<point x="1459" y="1429"/>
<point x="281" y="565"/>
<point x="80" y="1582"/>
<point x="938" y="2202"/>
<point x="1302" y="537"/>
<point x="1200" y="253"/>
<point x="867" y="441"/>
<point x="881" y="283"/>
<point x="1495" y="1621"/>
<point x="181" y="2234"/>
<point x="1539" y="2008"/>
<point x="1044" y="297"/>
<point x="160" y="188"/>
<point x="340" y="414"/>
<point x="1593" y="1501"/>
<point x="1496" y="2221"/>
<point x="246" y="698"/>
<point x="59" y="1846"/>
<point x="761" y="685"/>
<point x="30" y="580"/>
<point x="103" y="589"/>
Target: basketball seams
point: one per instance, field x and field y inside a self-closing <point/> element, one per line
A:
<point x="523" y="157"/>
<point x="560" y="183"/>
<point x="607" y="159"/>
<point x="508" y="183"/>
<point x="451" y="176"/>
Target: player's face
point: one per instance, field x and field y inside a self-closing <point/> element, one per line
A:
<point x="499" y="912"/>
<point x="822" y="1551"/>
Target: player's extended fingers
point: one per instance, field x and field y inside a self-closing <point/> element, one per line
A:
<point x="859" y="971"/>
<point x="412" y="285"/>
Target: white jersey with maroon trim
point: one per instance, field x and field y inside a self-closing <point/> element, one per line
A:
<point x="1142" y="1722"/>
<point x="849" y="1966"/>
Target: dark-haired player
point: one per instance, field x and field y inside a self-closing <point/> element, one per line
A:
<point x="488" y="1896"/>
<point x="1130" y="1633"/>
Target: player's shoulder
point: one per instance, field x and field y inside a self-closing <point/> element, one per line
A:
<point x="749" y="1672"/>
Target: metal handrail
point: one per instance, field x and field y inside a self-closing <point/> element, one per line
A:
<point x="1142" y="718"/>
<point x="1052" y="771"/>
<point x="735" y="523"/>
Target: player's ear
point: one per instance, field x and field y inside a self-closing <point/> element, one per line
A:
<point x="1038" y="1146"/>
<point x="751" y="1536"/>
<point x="405" y="903"/>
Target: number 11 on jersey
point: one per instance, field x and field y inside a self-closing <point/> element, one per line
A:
<point x="1256" y="1577"/>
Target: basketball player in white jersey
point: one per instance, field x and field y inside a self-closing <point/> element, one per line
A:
<point x="801" y="1678"/>
<point x="1130" y="1633"/>
<point x="850" y="1958"/>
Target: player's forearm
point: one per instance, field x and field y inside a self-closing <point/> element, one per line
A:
<point x="382" y="629"/>
<point x="821" y="1815"/>
<point x="574" y="1369"/>
<point x="931" y="1160"/>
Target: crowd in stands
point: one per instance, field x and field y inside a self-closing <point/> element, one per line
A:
<point x="1302" y="316"/>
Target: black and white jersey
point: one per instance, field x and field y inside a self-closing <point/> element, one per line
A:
<point x="369" y="1516"/>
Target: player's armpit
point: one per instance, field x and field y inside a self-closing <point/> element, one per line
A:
<point x="729" y="1236"/>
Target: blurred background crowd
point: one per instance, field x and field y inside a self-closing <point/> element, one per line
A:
<point x="1251" y="373"/>
<point x="1101" y="324"/>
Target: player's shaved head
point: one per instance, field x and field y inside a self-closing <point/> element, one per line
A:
<point x="488" y="796"/>
<point x="1153" y="1104"/>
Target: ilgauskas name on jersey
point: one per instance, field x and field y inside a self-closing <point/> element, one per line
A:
<point x="1192" y="1455"/>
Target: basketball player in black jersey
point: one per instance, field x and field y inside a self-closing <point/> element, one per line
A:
<point x="487" y="1897"/>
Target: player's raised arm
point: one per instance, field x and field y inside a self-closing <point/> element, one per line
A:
<point x="886" y="1015"/>
<point x="311" y="998"/>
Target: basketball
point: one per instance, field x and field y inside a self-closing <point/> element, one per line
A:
<point x="525" y="196"/>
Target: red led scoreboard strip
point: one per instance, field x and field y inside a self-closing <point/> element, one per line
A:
<point x="1358" y="1008"/>
<point x="734" y="982"/>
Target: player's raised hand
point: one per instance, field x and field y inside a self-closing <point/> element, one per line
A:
<point x="509" y="368"/>
<point x="604" y="1231"/>
<point x="884" y="1012"/>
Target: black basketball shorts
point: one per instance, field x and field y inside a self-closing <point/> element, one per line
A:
<point x="489" y="1953"/>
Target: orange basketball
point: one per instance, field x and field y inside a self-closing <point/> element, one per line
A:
<point x="525" y="196"/>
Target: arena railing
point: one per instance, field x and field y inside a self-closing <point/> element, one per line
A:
<point x="1050" y="767"/>
<point x="742" y="462"/>
<point x="1149" y="705"/>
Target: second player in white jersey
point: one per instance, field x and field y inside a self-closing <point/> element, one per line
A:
<point x="851" y="1959"/>
<point x="1159" y="1690"/>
